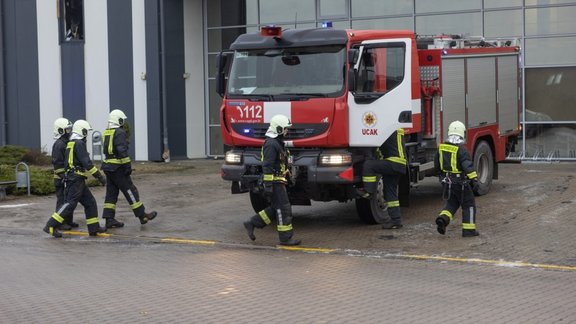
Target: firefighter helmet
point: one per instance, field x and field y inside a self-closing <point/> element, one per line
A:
<point x="457" y="128"/>
<point x="117" y="117"/>
<point x="81" y="127"/>
<point x="62" y="126"/>
<point x="279" y="125"/>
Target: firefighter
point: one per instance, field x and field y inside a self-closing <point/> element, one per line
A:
<point x="459" y="180"/>
<point x="275" y="177"/>
<point x="391" y="165"/>
<point x="118" y="168"/>
<point x="78" y="164"/>
<point x="62" y="130"/>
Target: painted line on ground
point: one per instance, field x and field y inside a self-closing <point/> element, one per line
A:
<point x="512" y="264"/>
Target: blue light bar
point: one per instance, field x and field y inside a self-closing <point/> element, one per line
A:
<point x="326" y="24"/>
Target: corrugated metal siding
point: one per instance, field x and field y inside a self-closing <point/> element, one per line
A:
<point x="453" y="93"/>
<point x="508" y="87"/>
<point x="481" y="91"/>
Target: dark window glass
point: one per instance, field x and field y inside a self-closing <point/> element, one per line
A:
<point x="550" y="94"/>
<point x="72" y="20"/>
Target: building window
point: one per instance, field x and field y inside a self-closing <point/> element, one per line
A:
<point x="72" y="20"/>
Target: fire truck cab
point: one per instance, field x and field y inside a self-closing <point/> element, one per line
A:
<point x="347" y="91"/>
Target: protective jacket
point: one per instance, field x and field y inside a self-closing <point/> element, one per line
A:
<point x="454" y="161"/>
<point x="78" y="162"/>
<point x="274" y="160"/>
<point x="58" y="157"/>
<point x="115" y="147"/>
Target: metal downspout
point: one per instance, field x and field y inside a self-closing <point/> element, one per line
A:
<point x="166" y="153"/>
<point x="3" y="125"/>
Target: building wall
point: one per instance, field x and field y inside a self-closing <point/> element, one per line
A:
<point x="117" y="64"/>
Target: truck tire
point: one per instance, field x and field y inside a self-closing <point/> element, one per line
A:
<point x="373" y="211"/>
<point x="258" y="201"/>
<point x="484" y="164"/>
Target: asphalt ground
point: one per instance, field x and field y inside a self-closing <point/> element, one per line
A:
<point x="183" y="265"/>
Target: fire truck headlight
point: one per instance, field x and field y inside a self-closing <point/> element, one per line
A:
<point x="233" y="158"/>
<point x="335" y="159"/>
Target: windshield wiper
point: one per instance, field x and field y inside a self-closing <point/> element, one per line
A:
<point x="299" y="96"/>
<point x="252" y="97"/>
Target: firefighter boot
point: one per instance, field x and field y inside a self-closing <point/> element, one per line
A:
<point x="362" y="193"/>
<point x="441" y="223"/>
<point x="469" y="233"/>
<point x="250" y="230"/>
<point x="52" y="230"/>
<point x="65" y="227"/>
<point x="95" y="229"/>
<point x="290" y="242"/>
<point x="392" y="225"/>
<point x="148" y="217"/>
<point x="113" y="223"/>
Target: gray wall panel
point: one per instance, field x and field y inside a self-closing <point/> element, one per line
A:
<point x="153" y="85"/>
<point x="120" y="61"/>
<point x="175" y="83"/>
<point x="21" y="73"/>
<point x="73" y="80"/>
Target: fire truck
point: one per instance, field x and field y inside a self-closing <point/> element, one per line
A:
<point x="347" y="91"/>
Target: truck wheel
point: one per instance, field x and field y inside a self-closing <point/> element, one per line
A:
<point x="373" y="211"/>
<point x="258" y="201"/>
<point x="484" y="164"/>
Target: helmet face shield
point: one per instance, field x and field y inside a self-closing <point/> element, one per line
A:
<point x="81" y="127"/>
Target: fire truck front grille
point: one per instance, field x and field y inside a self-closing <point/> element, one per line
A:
<point x="295" y="132"/>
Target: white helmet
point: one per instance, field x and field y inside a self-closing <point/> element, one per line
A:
<point x="457" y="128"/>
<point x="62" y="126"/>
<point x="117" y="117"/>
<point x="81" y="127"/>
<point x="278" y="126"/>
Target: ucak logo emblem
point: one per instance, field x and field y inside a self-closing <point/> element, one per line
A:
<point x="369" y="119"/>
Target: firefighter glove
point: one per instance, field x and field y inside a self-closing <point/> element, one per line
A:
<point x="474" y="184"/>
<point x="100" y="178"/>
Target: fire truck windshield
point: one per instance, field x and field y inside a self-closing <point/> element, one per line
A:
<point x="289" y="73"/>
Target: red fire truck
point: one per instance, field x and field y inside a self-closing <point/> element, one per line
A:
<point x="347" y="91"/>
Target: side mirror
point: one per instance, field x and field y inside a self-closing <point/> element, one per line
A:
<point x="351" y="80"/>
<point x="221" y="61"/>
<point x="352" y="56"/>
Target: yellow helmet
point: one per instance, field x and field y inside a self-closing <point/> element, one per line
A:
<point x="279" y="125"/>
<point x="62" y="126"/>
<point x="81" y="127"/>
<point x="117" y="117"/>
<point x="457" y="128"/>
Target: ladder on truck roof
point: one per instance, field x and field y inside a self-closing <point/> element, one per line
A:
<point x="461" y="41"/>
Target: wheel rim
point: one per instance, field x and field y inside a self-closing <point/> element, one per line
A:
<point x="482" y="168"/>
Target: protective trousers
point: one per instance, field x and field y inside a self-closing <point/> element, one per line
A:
<point x="59" y="185"/>
<point x="461" y="194"/>
<point x="390" y="179"/>
<point x="117" y="181"/>
<point x="279" y="210"/>
<point x="77" y="192"/>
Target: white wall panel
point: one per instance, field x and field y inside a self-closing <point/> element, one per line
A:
<point x="96" y="64"/>
<point x="194" y="65"/>
<point x="49" y="72"/>
<point x="139" y="66"/>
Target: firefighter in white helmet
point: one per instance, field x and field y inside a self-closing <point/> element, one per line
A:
<point x="275" y="173"/>
<point x="459" y="180"/>
<point x="78" y="165"/>
<point x="118" y="168"/>
<point x="62" y="130"/>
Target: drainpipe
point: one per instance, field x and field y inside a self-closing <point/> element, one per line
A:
<point x="3" y="131"/>
<point x="166" y="153"/>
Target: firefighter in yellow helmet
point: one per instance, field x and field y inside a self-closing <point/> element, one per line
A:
<point x="62" y="131"/>
<point x="118" y="168"/>
<point x="275" y="172"/>
<point x="391" y="165"/>
<point x="78" y="165"/>
<point x="459" y="180"/>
